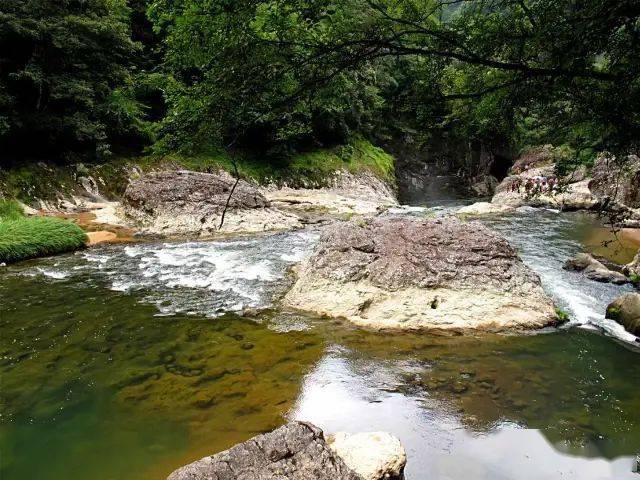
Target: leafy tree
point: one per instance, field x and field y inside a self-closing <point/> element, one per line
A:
<point x="64" y="68"/>
<point x="272" y="69"/>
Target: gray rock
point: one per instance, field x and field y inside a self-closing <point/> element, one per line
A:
<point x="186" y="202"/>
<point x="296" y="451"/>
<point x="617" y="181"/>
<point x="626" y="311"/>
<point x="402" y="273"/>
<point x="594" y="270"/>
<point x="188" y="191"/>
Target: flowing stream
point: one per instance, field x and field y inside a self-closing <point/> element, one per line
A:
<point x="126" y="362"/>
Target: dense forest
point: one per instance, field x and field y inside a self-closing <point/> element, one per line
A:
<point x="84" y="80"/>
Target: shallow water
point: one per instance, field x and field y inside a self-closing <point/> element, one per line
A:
<point x="126" y="362"/>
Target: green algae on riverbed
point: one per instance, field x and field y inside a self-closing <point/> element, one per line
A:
<point x="93" y="382"/>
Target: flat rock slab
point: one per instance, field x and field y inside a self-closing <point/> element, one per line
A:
<point x="96" y="238"/>
<point x="295" y="451"/>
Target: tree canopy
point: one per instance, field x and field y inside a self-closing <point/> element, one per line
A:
<point x="279" y="75"/>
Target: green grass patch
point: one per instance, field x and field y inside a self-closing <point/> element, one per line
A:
<point x="25" y="238"/>
<point x="10" y="210"/>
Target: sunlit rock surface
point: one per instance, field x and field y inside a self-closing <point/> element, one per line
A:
<point x="594" y="269"/>
<point x="372" y="455"/>
<point x="411" y="274"/>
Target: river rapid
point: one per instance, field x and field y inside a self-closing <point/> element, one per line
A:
<point x="128" y="361"/>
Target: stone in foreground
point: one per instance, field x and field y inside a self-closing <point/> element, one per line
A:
<point x="373" y="456"/>
<point x="439" y="275"/>
<point x="296" y="451"/>
<point x="626" y="311"/>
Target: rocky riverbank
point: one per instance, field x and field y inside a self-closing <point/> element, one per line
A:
<point x="611" y="187"/>
<point x="188" y="203"/>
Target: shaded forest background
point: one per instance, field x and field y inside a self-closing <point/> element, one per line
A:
<point x="87" y="80"/>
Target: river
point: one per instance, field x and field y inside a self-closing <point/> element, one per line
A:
<point x="127" y="361"/>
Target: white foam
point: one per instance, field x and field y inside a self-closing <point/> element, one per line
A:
<point x="56" y="274"/>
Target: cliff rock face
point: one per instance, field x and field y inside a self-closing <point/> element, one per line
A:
<point x="613" y="186"/>
<point x="185" y="202"/>
<point x="400" y="273"/>
<point x="296" y="451"/>
<point x="617" y="182"/>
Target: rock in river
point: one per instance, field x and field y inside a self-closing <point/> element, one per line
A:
<point x="410" y="274"/>
<point x="185" y="202"/>
<point x="626" y="311"/>
<point x="594" y="270"/>
<point x="296" y="451"/>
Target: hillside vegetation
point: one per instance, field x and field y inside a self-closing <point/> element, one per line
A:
<point x="96" y="80"/>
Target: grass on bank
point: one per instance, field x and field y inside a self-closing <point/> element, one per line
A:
<point x="23" y="237"/>
<point x="315" y="166"/>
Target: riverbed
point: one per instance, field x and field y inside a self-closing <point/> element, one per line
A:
<point x="128" y="361"/>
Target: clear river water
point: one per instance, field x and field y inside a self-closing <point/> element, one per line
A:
<point x="127" y="361"/>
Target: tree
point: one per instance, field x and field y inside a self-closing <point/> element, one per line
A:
<point x="61" y="65"/>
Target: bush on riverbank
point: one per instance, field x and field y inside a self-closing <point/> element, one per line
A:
<point x="22" y="238"/>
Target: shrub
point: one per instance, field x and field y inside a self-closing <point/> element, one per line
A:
<point x="24" y="238"/>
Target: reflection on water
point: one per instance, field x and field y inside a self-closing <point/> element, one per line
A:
<point x="121" y="363"/>
<point x="460" y="405"/>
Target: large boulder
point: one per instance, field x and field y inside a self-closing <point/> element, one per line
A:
<point x="402" y="273"/>
<point x="186" y="202"/>
<point x="626" y="311"/>
<point x="594" y="269"/>
<point x="295" y="451"/>
<point x="373" y="456"/>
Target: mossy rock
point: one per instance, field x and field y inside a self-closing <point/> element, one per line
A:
<point x="626" y="311"/>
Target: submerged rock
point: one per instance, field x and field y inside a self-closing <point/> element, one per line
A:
<point x="410" y="274"/>
<point x="594" y="269"/>
<point x="626" y="311"/>
<point x="298" y="451"/>
<point x="373" y="456"/>
<point x="185" y="202"/>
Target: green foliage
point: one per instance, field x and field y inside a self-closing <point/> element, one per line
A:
<point x="63" y="64"/>
<point x="10" y="210"/>
<point x="33" y="237"/>
<point x="562" y="315"/>
<point x="613" y="313"/>
<point x="273" y="78"/>
<point x="315" y="166"/>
